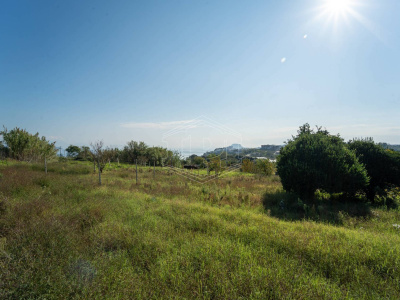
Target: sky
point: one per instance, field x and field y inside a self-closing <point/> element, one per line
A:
<point x="82" y="71"/>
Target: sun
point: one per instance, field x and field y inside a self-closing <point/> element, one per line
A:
<point x="337" y="6"/>
<point x="339" y="14"/>
<point x="337" y="11"/>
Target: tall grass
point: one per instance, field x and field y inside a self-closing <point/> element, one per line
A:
<point x="63" y="236"/>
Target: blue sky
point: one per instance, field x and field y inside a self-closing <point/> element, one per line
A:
<point x="80" y="71"/>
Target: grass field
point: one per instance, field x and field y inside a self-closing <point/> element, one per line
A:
<point x="62" y="236"/>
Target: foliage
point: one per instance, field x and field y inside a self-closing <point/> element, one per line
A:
<point x="248" y="166"/>
<point x="73" y="151"/>
<point x="84" y="153"/>
<point x="4" y="151"/>
<point x="143" y="154"/>
<point x="17" y="141"/>
<point x="196" y="160"/>
<point x="259" y="166"/>
<point x="264" y="167"/>
<point x="27" y="147"/>
<point x="100" y="155"/>
<point x="317" y="160"/>
<point x="390" y="147"/>
<point x="389" y="197"/>
<point x="215" y="164"/>
<point x="135" y="151"/>
<point x="383" y="166"/>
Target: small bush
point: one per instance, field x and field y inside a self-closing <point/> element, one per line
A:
<point x="389" y="198"/>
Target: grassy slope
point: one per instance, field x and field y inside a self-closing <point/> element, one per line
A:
<point x="62" y="236"/>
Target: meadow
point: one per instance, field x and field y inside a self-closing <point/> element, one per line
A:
<point x="62" y="236"/>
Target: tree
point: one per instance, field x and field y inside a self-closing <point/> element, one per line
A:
<point x="22" y="145"/>
<point x="264" y="167"/>
<point x="173" y="158"/>
<point x="4" y="151"/>
<point x="17" y="141"/>
<point x="84" y="153"/>
<point x="115" y="154"/>
<point x="260" y="166"/>
<point x="317" y="160"/>
<point x="73" y="151"/>
<point x="215" y="164"/>
<point x="47" y="151"/>
<point x="199" y="161"/>
<point x="100" y="156"/>
<point x="248" y="166"/>
<point x="135" y="151"/>
<point x="383" y="166"/>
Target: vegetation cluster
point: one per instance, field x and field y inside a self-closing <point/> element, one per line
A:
<point x="317" y="162"/>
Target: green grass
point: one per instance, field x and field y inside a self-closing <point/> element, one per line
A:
<point x="63" y="236"/>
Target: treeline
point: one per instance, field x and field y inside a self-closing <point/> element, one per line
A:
<point x="21" y="145"/>
<point x="131" y="153"/>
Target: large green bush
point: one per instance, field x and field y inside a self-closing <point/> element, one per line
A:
<point x="318" y="160"/>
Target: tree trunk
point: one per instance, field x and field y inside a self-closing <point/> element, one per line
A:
<point x="99" y="173"/>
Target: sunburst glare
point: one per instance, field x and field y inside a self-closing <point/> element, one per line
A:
<point x="338" y="6"/>
<point x="341" y="12"/>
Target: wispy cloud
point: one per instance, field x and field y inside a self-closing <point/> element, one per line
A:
<point x="56" y="138"/>
<point x="156" y="125"/>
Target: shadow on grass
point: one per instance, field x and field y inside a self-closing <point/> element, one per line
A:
<point x="333" y="209"/>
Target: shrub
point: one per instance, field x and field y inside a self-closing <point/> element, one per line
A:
<point x="247" y="166"/>
<point x="264" y="167"/>
<point x="317" y="160"/>
<point x="260" y="166"/>
<point x="390" y="197"/>
<point x="383" y="166"/>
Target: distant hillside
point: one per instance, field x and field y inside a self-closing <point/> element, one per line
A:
<point x="269" y="151"/>
<point x="388" y="146"/>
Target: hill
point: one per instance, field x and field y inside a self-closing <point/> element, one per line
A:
<point x="268" y="151"/>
